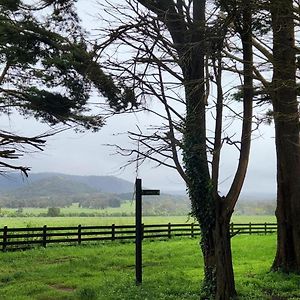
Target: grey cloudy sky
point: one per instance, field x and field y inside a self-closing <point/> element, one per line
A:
<point x="86" y="154"/>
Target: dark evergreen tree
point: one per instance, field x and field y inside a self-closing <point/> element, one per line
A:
<point x="47" y="71"/>
<point x="286" y="119"/>
<point x="282" y="92"/>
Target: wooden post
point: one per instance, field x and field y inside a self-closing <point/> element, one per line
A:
<point x="250" y="228"/>
<point x="44" y="236"/>
<point x="138" y="231"/>
<point x="79" y="234"/>
<point x="139" y="227"/>
<point x="192" y="230"/>
<point x="4" y="238"/>
<point x="265" y="227"/>
<point x="113" y="232"/>
<point x="231" y="228"/>
<point x="169" y="230"/>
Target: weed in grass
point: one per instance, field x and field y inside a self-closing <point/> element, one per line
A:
<point x="6" y="278"/>
<point x="87" y="293"/>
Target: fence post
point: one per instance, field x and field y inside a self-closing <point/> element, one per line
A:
<point x="138" y="232"/>
<point x="79" y="234"/>
<point x="4" y="238"/>
<point x="265" y="227"/>
<point x="44" y="236"/>
<point x="113" y="232"/>
<point x="250" y="228"/>
<point x="192" y="230"/>
<point x="169" y="230"/>
<point x="143" y="226"/>
<point x="231" y="228"/>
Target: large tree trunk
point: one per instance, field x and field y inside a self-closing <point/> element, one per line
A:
<point x="207" y="206"/>
<point x="224" y="276"/>
<point x="213" y="212"/>
<point x="286" y="118"/>
<point x="215" y="243"/>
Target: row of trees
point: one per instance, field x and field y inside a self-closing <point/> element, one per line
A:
<point x="92" y="200"/>
<point x="177" y="52"/>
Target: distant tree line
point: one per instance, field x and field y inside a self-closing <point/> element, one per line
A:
<point x="167" y="205"/>
<point x="106" y="200"/>
<point x="95" y="200"/>
<point x="251" y="208"/>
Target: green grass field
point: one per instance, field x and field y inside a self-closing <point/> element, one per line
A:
<point x="172" y="270"/>
<point x="126" y="207"/>
<point x="74" y="221"/>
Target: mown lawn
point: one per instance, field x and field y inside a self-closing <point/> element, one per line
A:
<point x="172" y="270"/>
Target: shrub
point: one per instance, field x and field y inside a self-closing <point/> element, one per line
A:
<point x="53" y="212"/>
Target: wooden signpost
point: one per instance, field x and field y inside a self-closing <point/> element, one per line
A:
<point x="138" y="227"/>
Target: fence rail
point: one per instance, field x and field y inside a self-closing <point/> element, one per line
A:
<point x="16" y="238"/>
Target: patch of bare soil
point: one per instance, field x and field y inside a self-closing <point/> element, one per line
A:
<point x="60" y="287"/>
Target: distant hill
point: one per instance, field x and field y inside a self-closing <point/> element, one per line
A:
<point x="55" y="185"/>
<point x="52" y="181"/>
<point x="61" y="190"/>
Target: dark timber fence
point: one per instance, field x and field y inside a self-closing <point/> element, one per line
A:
<point x="22" y="238"/>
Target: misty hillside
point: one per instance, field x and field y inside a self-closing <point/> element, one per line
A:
<point x="105" y="184"/>
<point x="60" y="190"/>
<point x="55" y="185"/>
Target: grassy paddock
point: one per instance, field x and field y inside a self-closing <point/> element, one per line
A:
<point x="74" y="221"/>
<point x="127" y="208"/>
<point x="172" y="270"/>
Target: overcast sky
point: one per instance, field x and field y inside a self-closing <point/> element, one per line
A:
<point x="86" y="154"/>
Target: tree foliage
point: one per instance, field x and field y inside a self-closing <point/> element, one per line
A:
<point x="48" y="70"/>
<point x="42" y="72"/>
